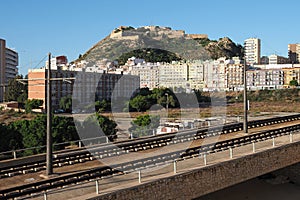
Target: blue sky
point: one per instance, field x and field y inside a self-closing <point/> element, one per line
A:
<point x="71" y="27"/>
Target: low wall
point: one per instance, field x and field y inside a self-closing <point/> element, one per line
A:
<point x="198" y="182"/>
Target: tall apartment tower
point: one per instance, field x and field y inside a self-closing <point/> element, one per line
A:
<point x="8" y="66"/>
<point x="252" y="51"/>
<point x="294" y="53"/>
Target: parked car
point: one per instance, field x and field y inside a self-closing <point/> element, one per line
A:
<point x="59" y="111"/>
<point x="75" y="111"/>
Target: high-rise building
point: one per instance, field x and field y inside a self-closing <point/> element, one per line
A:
<point x="294" y="53"/>
<point x="8" y="66"/>
<point x="252" y="51"/>
<point x="174" y="76"/>
<point x="148" y="73"/>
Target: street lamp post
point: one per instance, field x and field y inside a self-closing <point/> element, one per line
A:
<point x="167" y="105"/>
<point x="245" y="127"/>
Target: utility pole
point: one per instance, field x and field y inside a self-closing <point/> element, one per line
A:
<point x="245" y="127"/>
<point x="49" y="161"/>
<point x="49" y="142"/>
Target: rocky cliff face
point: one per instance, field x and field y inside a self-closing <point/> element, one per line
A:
<point x="225" y="47"/>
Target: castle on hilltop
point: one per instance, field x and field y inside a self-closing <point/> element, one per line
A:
<point x="130" y="33"/>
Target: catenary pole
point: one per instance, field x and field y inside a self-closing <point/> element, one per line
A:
<point x="245" y="127"/>
<point x="49" y="161"/>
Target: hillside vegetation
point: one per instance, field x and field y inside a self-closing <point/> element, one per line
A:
<point x="150" y="55"/>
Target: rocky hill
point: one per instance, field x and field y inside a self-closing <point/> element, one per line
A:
<point x="124" y="40"/>
<point x="225" y="47"/>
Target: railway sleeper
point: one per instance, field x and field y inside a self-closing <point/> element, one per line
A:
<point x="146" y="147"/>
<point x="11" y="195"/>
<point x="27" y="171"/>
<point x="28" y="190"/>
<point x="61" y="164"/>
<point x="162" y="144"/>
<point x="60" y="183"/>
<point x="36" y="169"/>
<point x="71" y="162"/>
<point x="11" y="174"/>
<point x="83" y="177"/>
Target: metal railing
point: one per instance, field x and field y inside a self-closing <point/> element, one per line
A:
<point x="79" y="143"/>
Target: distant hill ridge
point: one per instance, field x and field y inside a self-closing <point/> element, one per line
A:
<point x="126" y="39"/>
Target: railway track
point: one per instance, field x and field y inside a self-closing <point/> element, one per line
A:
<point x="127" y="167"/>
<point x="37" y="163"/>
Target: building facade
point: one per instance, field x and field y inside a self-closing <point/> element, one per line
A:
<point x="8" y="66"/>
<point x="83" y="87"/>
<point x="174" y="76"/>
<point x="195" y="75"/>
<point x="294" y="53"/>
<point x="265" y="79"/>
<point x="148" y="73"/>
<point x="252" y="51"/>
<point x="291" y="74"/>
<point x="275" y="59"/>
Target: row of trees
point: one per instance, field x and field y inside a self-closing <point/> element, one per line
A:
<point x="32" y="133"/>
<point x="145" y="98"/>
<point x="282" y="95"/>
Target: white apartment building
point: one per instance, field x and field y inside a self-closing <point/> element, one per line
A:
<point x="8" y="66"/>
<point x="275" y="59"/>
<point x="222" y="75"/>
<point x="195" y="75"/>
<point x="252" y="51"/>
<point x="174" y="76"/>
<point x="148" y="73"/>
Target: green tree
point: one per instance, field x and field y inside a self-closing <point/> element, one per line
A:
<point x="65" y="103"/>
<point x="32" y="104"/>
<point x="15" y="89"/>
<point x="32" y="133"/>
<point x="101" y="106"/>
<point x="90" y="126"/>
<point x="294" y="83"/>
<point x="166" y="99"/>
<point x="63" y="130"/>
<point x="139" y="103"/>
<point x="10" y="138"/>
<point x="144" y="125"/>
